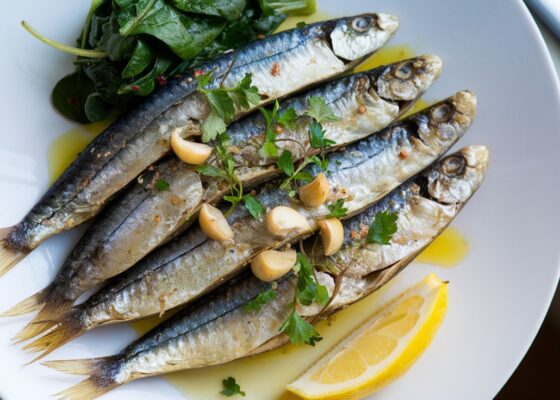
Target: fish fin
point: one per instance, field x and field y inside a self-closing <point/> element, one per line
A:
<point x="8" y="256"/>
<point x="100" y="377"/>
<point x="88" y="389"/>
<point x="32" y="303"/>
<point x="67" y="328"/>
<point x="55" y="308"/>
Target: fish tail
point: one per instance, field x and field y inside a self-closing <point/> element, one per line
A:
<point x="32" y="303"/>
<point x="99" y="382"/>
<point x="69" y="327"/>
<point x="8" y="255"/>
<point x="55" y="308"/>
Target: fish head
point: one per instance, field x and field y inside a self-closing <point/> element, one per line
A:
<point x="457" y="176"/>
<point x="442" y="124"/>
<point x="353" y="38"/>
<point x="406" y="80"/>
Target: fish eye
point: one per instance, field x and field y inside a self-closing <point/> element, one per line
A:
<point x="404" y="70"/>
<point x="360" y="24"/>
<point x="453" y="165"/>
<point x="442" y="113"/>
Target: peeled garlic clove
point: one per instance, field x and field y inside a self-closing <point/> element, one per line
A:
<point x="332" y="235"/>
<point x="282" y="221"/>
<point x="189" y="152"/>
<point x="214" y="224"/>
<point x="270" y="265"/>
<point x="315" y="192"/>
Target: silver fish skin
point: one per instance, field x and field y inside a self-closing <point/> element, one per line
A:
<point x="298" y="58"/>
<point x="117" y="246"/>
<point x="217" y="329"/>
<point x="364" y="172"/>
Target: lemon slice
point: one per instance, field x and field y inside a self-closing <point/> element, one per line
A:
<point x="380" y="350"/>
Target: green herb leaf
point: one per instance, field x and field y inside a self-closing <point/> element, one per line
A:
<point x="322" y="163"/>
<point x="285" y="163"/>
<point x="287" y="118"/>
<point x="162" y="185"/>
<point x="255" y="208"/>
<point x="299" y="330"/>
<point x="96" y="108"/>
<point x="318" y="109"/>
<point x="268" y="150"/>
<point x="221" y="103"/>
<point x="209" y="170"/>
<point x="70" y="94"/>
<point x="337" y="209"/>
<point x="303" y="176"/>
<point x="382" y="228"/>
<point x="140" y="60"/>
<point x="317" y="136"/>
<point x="231" y="388"/>
<point x="262" y="298"/>
<point x="228" y="9"/>
<point x="212" y="126"/>
<point x="244" y="94"/>
<point x="308" y="289"/>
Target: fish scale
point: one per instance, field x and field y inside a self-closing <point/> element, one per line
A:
<point x="158" y="286"/>
<point x="216" y="329"/>
<point x="346" y="96"/>
<point x="141" y="136"/>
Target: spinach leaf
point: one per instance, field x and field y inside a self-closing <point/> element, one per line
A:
<point x="186" y="37"/>
<point x="70" y="95"/>
<point x="116" y="46"/>
<point x="96" y="109"/>
<point x="146" y="84"/>
<point x="228" y="9"/>
<point x="140" y="60"/>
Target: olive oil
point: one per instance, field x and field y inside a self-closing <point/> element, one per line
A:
<point x="66" y="147"/>
<point x="386" y="55"/>
<point x="447" y="250"/>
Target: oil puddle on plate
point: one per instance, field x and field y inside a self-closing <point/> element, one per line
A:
<point x="65" y="148"/>
<point x="447" y="250"/>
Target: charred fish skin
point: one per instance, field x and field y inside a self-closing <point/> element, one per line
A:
<point x="141" y="137"/>
<point x="354" y="99"/>
<point x="217" y="321"/>
<point x="365" y="172"/>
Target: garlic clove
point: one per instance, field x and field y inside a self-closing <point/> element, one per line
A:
<point x="189" y="152"/>
<point x="316" y="192"/>
<point x="283" y="221"/>
<point x="214" y="223"/>
<point x="270" y="265"/>
<point x="332" y="235"/>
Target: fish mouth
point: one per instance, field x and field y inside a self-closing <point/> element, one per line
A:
<point x="354" y="38"/>
<point x="457" y="176"/>
<point x="407" y="80"/>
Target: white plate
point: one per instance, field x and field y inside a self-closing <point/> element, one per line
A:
<point x="498" y="295"/>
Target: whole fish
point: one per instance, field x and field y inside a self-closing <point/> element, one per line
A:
<point x="192" y="264"/>
<point x="364" y="103"/>
<point x="279" y="64"/>
<point x="217" y="328"/>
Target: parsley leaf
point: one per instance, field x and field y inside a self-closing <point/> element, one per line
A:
<point x="262" y="298"/>
<point x="299" y="330"/>
<point x="317" y="136"/>
<point x="255" y="208"/>
<point x="210" y="170"/>
<point x="318" y="109"/>
<point x="162" y="185"/>
<point x="308" y="289"/>
<point x="285" y="163"/>
<point x="287" y="118"/>
<point x="244" y="94"/>
<point x="223" y="102"/>
<point x="337" y="209"/>
<point x="212" y="126"/>
<point x="231" y="388"/>
<point x="382" y="228"/>
<point x="269" y="148"/>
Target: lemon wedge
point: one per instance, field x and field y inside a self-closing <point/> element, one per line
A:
<point x="380" y="350"/>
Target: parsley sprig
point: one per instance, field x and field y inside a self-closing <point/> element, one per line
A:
<point x="382" y="228"/>
<point x="226" y="171"/>
<point x="308" y="291"/>
<point x="318" y="112"/>
<point x="223" y="102"/>
<point x="231" y="388"/>
<point x="272" y="120"/>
